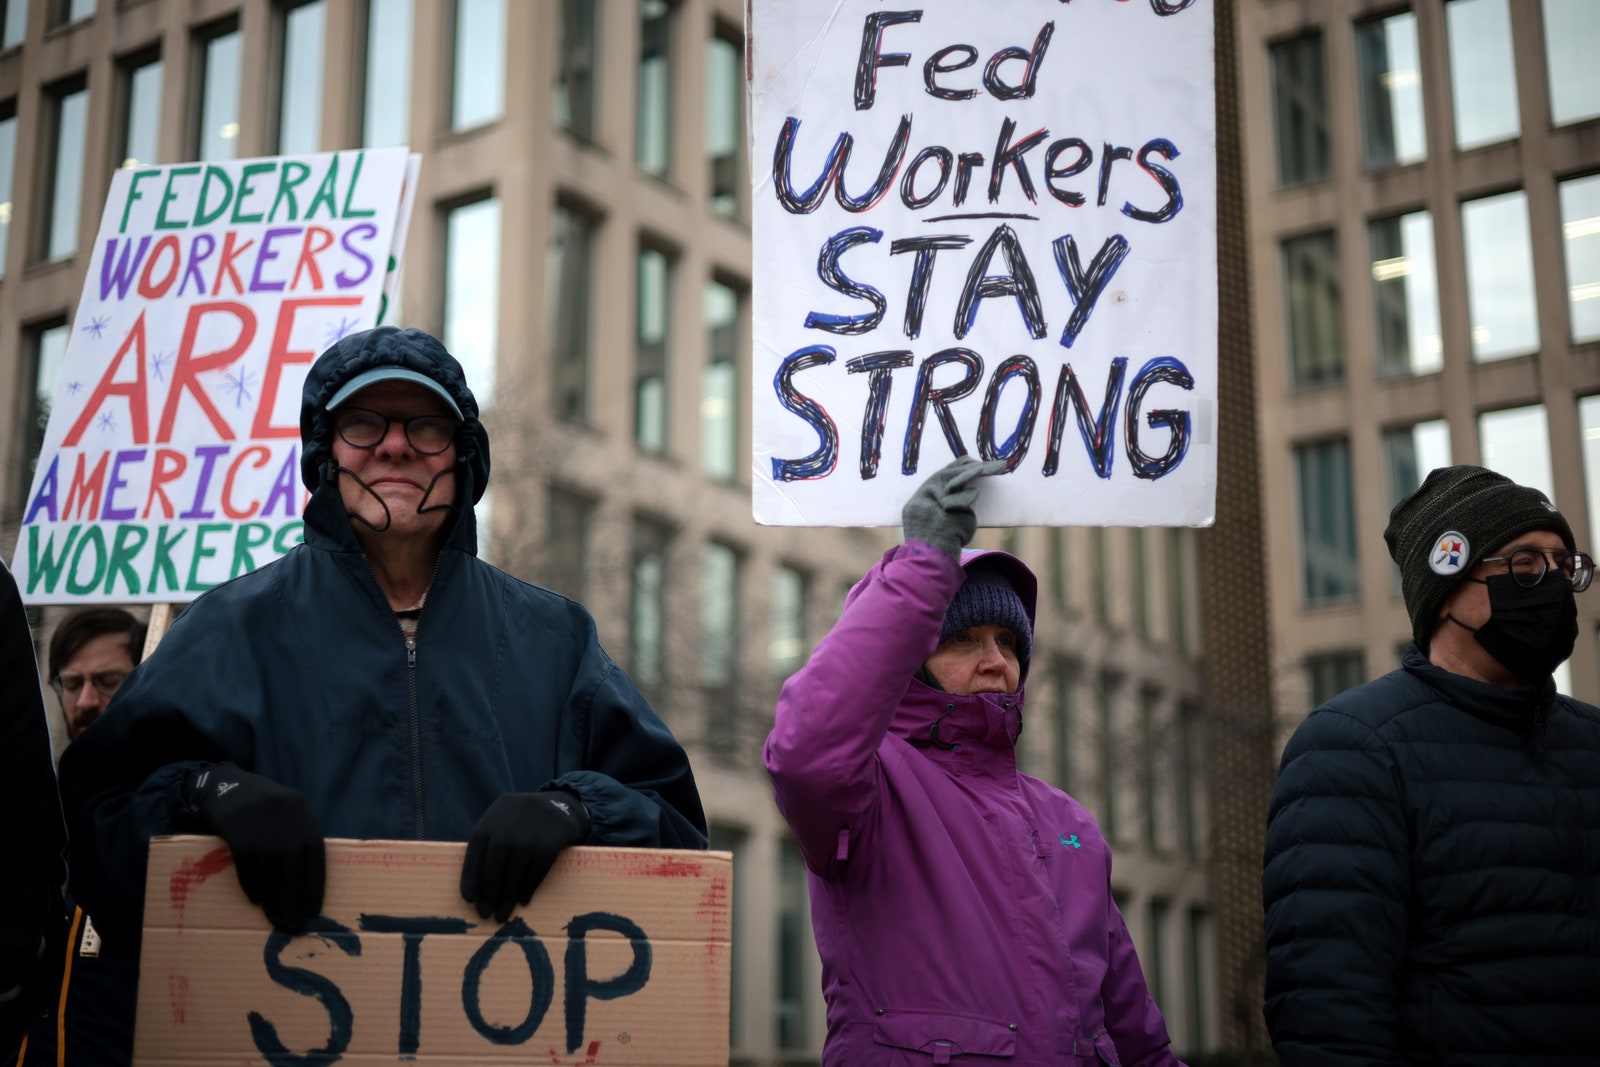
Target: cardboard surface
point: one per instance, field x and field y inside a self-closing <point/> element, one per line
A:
<point x="621" y="958"/>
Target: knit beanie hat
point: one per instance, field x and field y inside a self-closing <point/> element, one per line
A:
<point x="986" y="598"/>
<point x="1457" y="516"/>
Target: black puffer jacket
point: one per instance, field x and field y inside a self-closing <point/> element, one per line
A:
<point x="1432" y="879"/>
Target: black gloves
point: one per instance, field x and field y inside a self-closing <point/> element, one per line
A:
<point x="514" y="846"/>
<point x="940" y="511"/>
<point x="275" y="841"/>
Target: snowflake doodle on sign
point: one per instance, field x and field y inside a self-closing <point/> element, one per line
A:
<point x="97" y="326"/>
<point x="240" y="385"/>
<point x="158" y="364"/>
<point x="106" y="421"/>
<point x="338" y="330"/>
<point x="74" y="388"/>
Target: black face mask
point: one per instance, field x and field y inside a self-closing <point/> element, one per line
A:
<point x="1531" y="631"/>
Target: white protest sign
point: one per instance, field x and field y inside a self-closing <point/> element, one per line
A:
<point x="171" y="460"/>
<point x="984" y="229"/>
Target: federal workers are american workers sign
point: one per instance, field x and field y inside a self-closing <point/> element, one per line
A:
<point x="171" y="459"/>
<point x="984" y="229"/>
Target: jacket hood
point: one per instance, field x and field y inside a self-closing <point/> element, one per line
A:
<point x="388" y="346"/>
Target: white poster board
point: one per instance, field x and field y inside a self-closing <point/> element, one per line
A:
<point x="985" y="229"/>
<point x="171" y="459"/>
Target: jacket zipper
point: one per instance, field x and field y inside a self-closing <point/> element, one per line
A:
<point x="416" y="730"/>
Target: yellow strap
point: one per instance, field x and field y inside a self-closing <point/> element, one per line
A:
<point x="66" y="982"/>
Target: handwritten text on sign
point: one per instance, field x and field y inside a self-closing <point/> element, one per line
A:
<point x="171" y="458"/>
<point x="991" y="236"/>
<point x="621" y="958"/>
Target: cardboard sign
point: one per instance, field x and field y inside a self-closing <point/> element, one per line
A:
<point x="621" y="958"/>
<point x="171" y="459"/>
<point x="984" y="230"/>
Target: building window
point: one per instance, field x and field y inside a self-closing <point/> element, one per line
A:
<point x="1155" y="959"/>
<point x="719" y="643"/>
<point x="568" y="276"/>
<point x="1327" y="522"/>
<point x="794" y="946"/>
<point x="478" y="93"/>
<point x="719" y="395"/>
<point x="1580" y="230"/>
<point x="1316" y="335"/>
<point x="786" y="643"/>
<point x="1410" y="452"/>
<point x="8" y="166"/>
<point x="1391" y="90"/>
<point x="48" y="346"/>
<point x="649" y="603"/>
<point x="654" y="139"/>
<point x="472" y="293"/>
<point x="1099" y="574"/>
<point x="1186" y="763"/>
<point x="1331" y="673"/>
<point x="1067" y="680"/>
<point x="67" y="110"/>
<point x="568" y="517"/>
<point x="725" y="118"/>
<point x="1483" y="72"/>
<point x="1571" y="40"/>
<point x="1178" y="574"/>
<point x="1300" y="107"/>
<point x="1112" y="757"/>
<point x="1201" y="977"/>
<point x="1500" y="278"/>
<point x="219" y="95"/>
<point x="576" y="71"/>
<point x="1152" y="743"/>
<point x="1516" y="442"/>
<point x="64" y="12"/>
<point x="386" y="95"/>
<point x="15" y="26"/>
<point x="140" y="84"/>
<point x="386" y="98"/>
<point x="653" y="322"/>
<point x="1405" y="294"/>
<point x="1589" y="428"/>
<point x="300" y="78"/>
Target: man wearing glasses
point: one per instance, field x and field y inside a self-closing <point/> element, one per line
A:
<point x="379" y="681"/>
<point x="91" y="652"/>
<point x="1432" y="877"/>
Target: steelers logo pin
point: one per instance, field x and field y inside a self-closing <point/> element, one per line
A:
<point x="1449" y="554"/>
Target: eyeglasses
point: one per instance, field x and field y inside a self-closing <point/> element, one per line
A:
<point x="1528" y="565"/>
<point x="69" y="685"/>
<point x="428" y="434"/>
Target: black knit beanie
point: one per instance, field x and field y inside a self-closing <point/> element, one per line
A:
<point x="987" y="599"/>
<point x="1457" y="516"/>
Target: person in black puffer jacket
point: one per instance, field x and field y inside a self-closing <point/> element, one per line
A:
<point x="1432" y="874"/>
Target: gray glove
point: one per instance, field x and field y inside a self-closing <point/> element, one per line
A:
<point x="940" y="511"/>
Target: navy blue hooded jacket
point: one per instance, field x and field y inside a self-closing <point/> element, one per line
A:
<point x="299" y="672"/>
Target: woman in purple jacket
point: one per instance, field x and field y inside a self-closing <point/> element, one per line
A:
<point x="961" y="907"/>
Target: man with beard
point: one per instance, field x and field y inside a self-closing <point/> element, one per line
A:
<point x="1432" y="877"/>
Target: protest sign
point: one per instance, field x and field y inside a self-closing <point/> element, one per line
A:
<point x="984" y="229"/>
<point x="171" y="459"/>
<point x="621" y="958"/>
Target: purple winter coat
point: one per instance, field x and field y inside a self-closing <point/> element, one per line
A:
<point x="962" y="909"/>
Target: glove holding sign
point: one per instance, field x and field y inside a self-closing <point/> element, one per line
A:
<point x="940" y="511"/>
<point x="275" y="840"/>
<point x="515" y="844"/>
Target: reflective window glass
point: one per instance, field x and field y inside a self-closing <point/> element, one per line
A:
<point x="1300" y="110"/>
<point x="1405" y="295"/>
<point x="1516" y="442"/>
<point x="300" y="109"/>
<point x="725" y="120"/>
<point x="787" y="637"/>
<point x="1571" y="42"/>
<point x="386" y="105"/>
<point x="654" y="141"/>
<point x="71" y="117"/>
<point x="1483" y="74"/>
<point x="8" y="164"/>
<point x="1391" y="90"/>
<point x="719" y="615"/>
<point x="648" y="596"/>
<point x="1580" y="232"/>
<point x="650" y="350"/>
<point x="567" y="297"/>
<point x="565" y="567"/>
<point x="1589" y="430"/>
<point x="719" y="397"/>
<point x="480" y="63"/>
<point x="15" y="26"/>
<point x="1331" y="673"/>
<point x="141" y="131"/>
<point x="1327" y="522"/>
<point x="472" y="293"/>
<point x="1311" y="286"/>
<point x="49" y="349"/>
<point x="1411" y="452"/>
<point x="219" y="97"/>
<point x="1500" y="297"/>
<point x="576" y="74"/>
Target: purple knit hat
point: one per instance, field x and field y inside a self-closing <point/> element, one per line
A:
<point x="987" y="598"/>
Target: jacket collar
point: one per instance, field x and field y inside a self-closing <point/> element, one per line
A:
<point x="1516" y="709"/>
<point x="985" y="721"/>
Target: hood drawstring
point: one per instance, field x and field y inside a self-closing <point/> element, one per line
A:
<point x="933" y="731"/>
